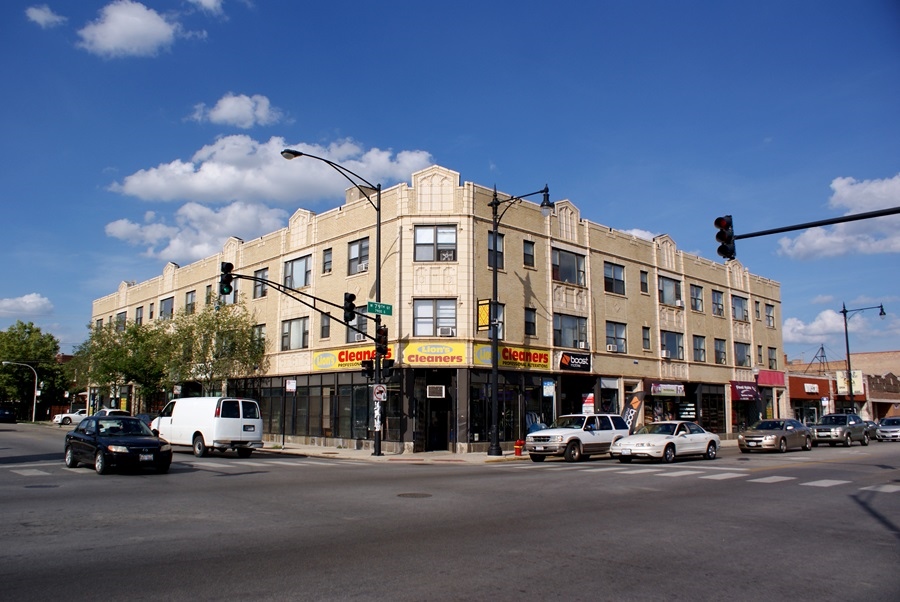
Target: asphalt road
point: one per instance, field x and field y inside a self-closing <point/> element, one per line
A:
<point x="819" y="525"/>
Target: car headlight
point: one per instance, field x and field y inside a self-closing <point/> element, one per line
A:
<point x="165" y="447"/>
<point x="769" y="438"/>
<point x="740" y="437"/>
<point x="118" y="449"/>
<point x="557" y="438"/>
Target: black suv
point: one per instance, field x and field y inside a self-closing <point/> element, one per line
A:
<point x="840" y="428"/>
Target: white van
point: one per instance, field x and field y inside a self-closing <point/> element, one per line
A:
<point x="207" y="423"/>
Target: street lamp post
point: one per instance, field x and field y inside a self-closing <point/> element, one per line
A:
<point x="496" y="215"/>
<point x="848" y="313"/>
<point x="34" y="405"/>
<point x="376" y="204"/>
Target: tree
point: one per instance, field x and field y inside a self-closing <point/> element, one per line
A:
<point x="26" y="344"/>
<point x="215" y="344"/>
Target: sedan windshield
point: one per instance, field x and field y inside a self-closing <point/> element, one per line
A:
<point x="123" y="427"/>
<point x="568" y="422"/>
<point x="768" y="425"/>
<point x="665" y="428"/>
<point x="890" y="422"/>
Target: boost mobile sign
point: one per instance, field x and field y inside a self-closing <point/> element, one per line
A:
<point x="577" y="362"/>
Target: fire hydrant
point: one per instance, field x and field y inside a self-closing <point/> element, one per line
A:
<point x="518" y="447"/>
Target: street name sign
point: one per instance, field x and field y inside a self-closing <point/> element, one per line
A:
<point x="383" y="309"/>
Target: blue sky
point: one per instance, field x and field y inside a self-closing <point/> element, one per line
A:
<point x="141" y="133"/>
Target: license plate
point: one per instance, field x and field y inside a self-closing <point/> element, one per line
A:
<point x="146" y="457"/>
<point x="752" y="443"/>
<point x="249" y="428"/>
<point x="626" y="452"/>
<point x="538" y="448"/>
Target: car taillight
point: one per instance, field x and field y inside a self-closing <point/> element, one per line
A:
<point x="217" y="411"/>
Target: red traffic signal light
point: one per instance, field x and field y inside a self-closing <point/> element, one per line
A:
<point x="368" y="368"/>
<point x="725" y="236"/>
<point x="381" y="340"/>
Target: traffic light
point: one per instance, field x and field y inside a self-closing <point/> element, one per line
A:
<point x="381" y="340"/>
<point x="368" y="368"/>
<point x="387" y="370"/>
<point x="225" y="287"/>
<point x="349" y="307"/>
<point x="725" y="236"/>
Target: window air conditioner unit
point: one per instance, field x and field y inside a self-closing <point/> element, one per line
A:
<point x="362" y="267"/>
<point x="679" y="303"/>
<point x="435" y="392"/>
<point x="582" y="344"/>
<point x="665" y="354"/>
<point x="612" y="348"/>
<point x="446" y="331"/>
<point x="360" y="337"/>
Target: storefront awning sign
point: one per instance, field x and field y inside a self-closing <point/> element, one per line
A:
<point x="744" y="391"/>
<point x="667" y="389"/>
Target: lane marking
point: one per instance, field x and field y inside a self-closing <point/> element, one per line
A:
<point x="724" y="475"/>
<point x="824" y="483"/>
<point x="31" y="472"/>
<point x="679" y="473"/>
<point x="641" y="470"/>
<point x="882" y="488"/>
<point x="772" y="479"/>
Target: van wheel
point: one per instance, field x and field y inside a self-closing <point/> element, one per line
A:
<point x="200" y="448"/>
<point x="244" y="452"/>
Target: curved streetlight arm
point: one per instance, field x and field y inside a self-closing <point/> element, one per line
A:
<point x="495" y="203"/>
<point x="290" y="153"/>
<point x="34" y="406"/>
<point x="849" y="313"/>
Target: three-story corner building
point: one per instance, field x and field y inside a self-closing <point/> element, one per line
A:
<point x="588" y="316"/>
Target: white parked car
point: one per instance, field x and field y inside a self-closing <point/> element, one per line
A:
<point x="70" y="418"/>
<point x="665" y="441"/>
<point x="576" y="436"/>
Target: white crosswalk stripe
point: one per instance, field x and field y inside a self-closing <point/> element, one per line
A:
<point x="882" y="488"/>
<point x="31" y="472"/>
<point x="724" y="475"/>
<point x="825" y="483"/>
<point x="772" y="479"/>
<point x="679" y="473"/>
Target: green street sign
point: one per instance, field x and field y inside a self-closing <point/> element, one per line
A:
<point x="383" y="309"/>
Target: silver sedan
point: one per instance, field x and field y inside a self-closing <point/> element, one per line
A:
<point x="779" y="434"/>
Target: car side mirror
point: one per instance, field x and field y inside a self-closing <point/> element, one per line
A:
<point x="155" y="433"/>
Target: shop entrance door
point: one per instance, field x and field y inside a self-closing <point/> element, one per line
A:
<point x="437" y="425"/>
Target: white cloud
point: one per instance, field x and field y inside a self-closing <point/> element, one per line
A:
<point x="239" y="111"/>
<point x="32" y="304"/>
<point x="828" y="326"/>
<point x="211" y="6"/>
<point x="822" y="299"/>
<point x="642" y="234"/>
<point x="199" y="231"/>
<point x="866" y="237"/>
<point x="44" y="16"/>
<point x="127" y="28"/>
<point x="239" y="168"/>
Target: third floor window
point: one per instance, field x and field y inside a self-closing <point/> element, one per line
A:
<point x="297" y="273"/>
<point x="613" y="278"/>
<point x="568" y="267"/>
<point x="435" y="243"/>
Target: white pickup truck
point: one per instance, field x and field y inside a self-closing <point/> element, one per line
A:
<point x="70" y="418"/>
<point x="576" y="436"/>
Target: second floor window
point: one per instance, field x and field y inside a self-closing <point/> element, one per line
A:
<point x="358" y="256"/>
<point x="616" y="340"/>
<point x="361" y="324"/>
<point x="325" y="326"/>
<point x="429" y="315"/>
<point x="669" y="291"/>
<point x="721" y="356"/>
<point x="740" y="309"/>
<point x="530" y="321"/>
<point x="121" y="318"/>
<point x="742" y="355"/>
<point x="613" y="278"/>
<point x="495" y="250"/>
<point x="696" y="297"/>
<point x="570" y="331"/>
<point x="568" y="267"/>
<point x="672" y="344"/>
<point x="259" y="333"/>
<point x="435" y="243"/>
<point x="167" y="308"/>
<point x="645" y="282"/>
<point x="773" y="358"/>
<point x="645" y="338"/>
<point x="326" y="261"/>
<point x="699" y="349"/>
<point x="298" y="272"/>
<point x="770" y="315"/>
<point x="718" y="303"/>
<point x="139" y="315"/>
<point x="528" y="253"/>
<point x="260" y="288"/>
<point x="190" y="302"/>
<point x="295" y="334"/>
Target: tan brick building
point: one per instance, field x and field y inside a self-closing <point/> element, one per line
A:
<point x="588" y="314"/>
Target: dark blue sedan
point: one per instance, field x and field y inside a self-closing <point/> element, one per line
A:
<point x="107" y="442"/>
